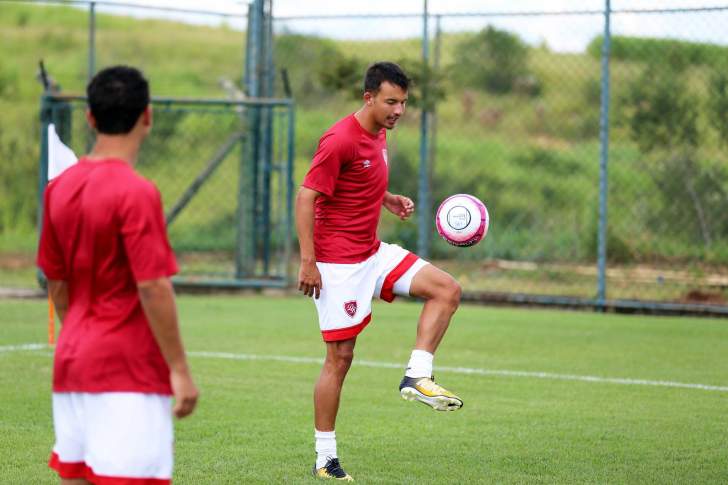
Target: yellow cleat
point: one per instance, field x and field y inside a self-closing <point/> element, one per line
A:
<point x="332" y="470"/>
<point x="424" y="390"/>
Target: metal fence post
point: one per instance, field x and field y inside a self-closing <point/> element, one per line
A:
<point x="424" y="220"/>
<point x="248" y="184"/>
<point x="603" y="161"/>
<point x="91" y="40"/>
<point x="289" y="186"/>
<point x="268" y="79"/>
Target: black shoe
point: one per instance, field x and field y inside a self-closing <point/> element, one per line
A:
<point x="332" y="470"/>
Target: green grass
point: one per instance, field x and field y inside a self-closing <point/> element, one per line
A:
<point x="254" y="421"/>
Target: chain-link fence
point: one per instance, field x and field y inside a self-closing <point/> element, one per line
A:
<point x="513" y="116"/>
<point x="514" y="108"/>
<point x="228" y="210"/>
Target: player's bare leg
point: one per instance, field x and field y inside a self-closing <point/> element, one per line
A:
<point x="442" y="298"/>
<point x="326" y="396"/>
<point x="74" y="481"/>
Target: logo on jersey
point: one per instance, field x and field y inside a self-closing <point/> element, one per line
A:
<point x="350" y="308"/>
<point x="384" y="155"/>
<point x="367" y="163"/>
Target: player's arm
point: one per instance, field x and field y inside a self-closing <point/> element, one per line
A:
<point x="309" y="278"/>
<point x="157" y="298"/>
<point x="58" y="291"/>
<point x="399" y="205"/>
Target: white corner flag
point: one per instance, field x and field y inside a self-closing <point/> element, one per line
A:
<point x="60" y="157"/>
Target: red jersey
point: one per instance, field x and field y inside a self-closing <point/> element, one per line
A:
<point x="350" y="169"/>
<point x="103" y="231"/>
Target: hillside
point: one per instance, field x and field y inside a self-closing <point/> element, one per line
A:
<point x="532" y="156"/>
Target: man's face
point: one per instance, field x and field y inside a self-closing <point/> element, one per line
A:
<point x="388" y="104"/>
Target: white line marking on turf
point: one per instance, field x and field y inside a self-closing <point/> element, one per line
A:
<point x="15" y="348"/>
<point x="455" y="370"/>
<point x="470" y="370"/>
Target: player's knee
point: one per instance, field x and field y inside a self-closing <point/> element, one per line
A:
<point x="452" y="293"/>
<point x="341" y="358"/>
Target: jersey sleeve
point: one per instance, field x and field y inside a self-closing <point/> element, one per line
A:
<point x="331" y="154"/>
<point x="144" y="232"/>
<point x="50" y="253"/>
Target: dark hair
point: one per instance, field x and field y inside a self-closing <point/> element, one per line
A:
<point x="385" y="71"/>
<point x="117" y="96"/>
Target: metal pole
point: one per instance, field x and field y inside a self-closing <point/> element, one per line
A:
<point x="91" y="40"/>
<point x="267" y="125"/>
<point x="289" y="192"/>
<point x="603" y="164"/>
<point x="247" y="185"/>
<point x="433" y="117"/>
<point x="424" y="220"/>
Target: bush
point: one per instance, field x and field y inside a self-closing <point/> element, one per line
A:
<point x="677" y="53"/>
<point x="492" y="60"/>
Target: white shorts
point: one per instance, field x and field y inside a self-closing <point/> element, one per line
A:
<point x="345" y="305"/>
<point x="113" y="437"/>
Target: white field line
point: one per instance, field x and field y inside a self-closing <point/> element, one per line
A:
<point x="15" y="348"/>
<point x="454" y="370"/>
<point x="469" y="370"/>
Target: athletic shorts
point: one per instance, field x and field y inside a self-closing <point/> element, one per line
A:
<point x="113" y="438"/>
<point x="345" y="305"/>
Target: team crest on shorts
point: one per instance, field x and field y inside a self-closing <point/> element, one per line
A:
<point x="350" y="308"/>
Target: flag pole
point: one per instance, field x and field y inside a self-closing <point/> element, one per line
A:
<point x="51" y="322"/>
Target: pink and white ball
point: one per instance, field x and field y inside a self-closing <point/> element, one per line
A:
<point x="462" y="220"/>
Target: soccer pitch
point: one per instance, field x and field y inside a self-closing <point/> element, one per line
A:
<point x="550" y="397"/>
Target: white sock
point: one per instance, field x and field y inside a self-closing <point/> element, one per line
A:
<point x="420" y="364"/>
<point x="325" y="447"/>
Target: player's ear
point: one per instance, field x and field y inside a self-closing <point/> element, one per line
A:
<point x="147" y="116"/>
<point x="90" y="119"/>
<point x="368" y="98"/>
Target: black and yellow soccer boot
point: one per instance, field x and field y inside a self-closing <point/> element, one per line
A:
<point x="424" y="390"/>
<point x="332" y="470"/>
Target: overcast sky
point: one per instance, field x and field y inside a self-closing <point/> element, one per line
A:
<point x="562" y="32"/>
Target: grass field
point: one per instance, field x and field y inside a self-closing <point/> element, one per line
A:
<point x="256" y="358"/>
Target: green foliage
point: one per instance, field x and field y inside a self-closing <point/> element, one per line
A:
<point x="677" y="53"/>
<point x="492" y="60"/>
<point x="427" y="89"/>
<point x="313" y="64"/>
<point x="340" y="73"/>
<point x="663" y="118"/>
<point x="533" y="160"/>
<point x="662" y="113"/>
<point x="717" y="102"/>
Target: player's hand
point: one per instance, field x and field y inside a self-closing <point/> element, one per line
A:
<point x="400" y="206"/>
<point x="309" y="280"/>
<point x="185" y="393"/>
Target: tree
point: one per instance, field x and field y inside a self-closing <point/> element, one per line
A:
<point x="718" y="104"/>
<point x="661" y="111"/>
<point x="492" y="60"/>
<point x="663" y="121"/>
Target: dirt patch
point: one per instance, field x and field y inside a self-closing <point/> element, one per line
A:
<point x="703" y="297"/>
<point x="15" y="261"/>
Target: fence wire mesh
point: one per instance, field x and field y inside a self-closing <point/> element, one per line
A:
<point x="514" y="118"/>
<point x="228" y="215"/>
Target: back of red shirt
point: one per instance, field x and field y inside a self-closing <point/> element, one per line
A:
<point x="350" y="169"/>
<point x="103" y="231"/>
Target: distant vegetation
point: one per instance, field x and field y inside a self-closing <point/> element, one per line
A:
<point x="516" y="125"/>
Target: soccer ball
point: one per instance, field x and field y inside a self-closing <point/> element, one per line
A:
<point x="462" y="220"/>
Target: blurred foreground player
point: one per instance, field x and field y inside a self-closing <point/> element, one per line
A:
<point x="105" y="253"/>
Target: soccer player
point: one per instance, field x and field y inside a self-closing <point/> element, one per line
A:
<point x="105" y="252"/>
<point x="344" y="265"/>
